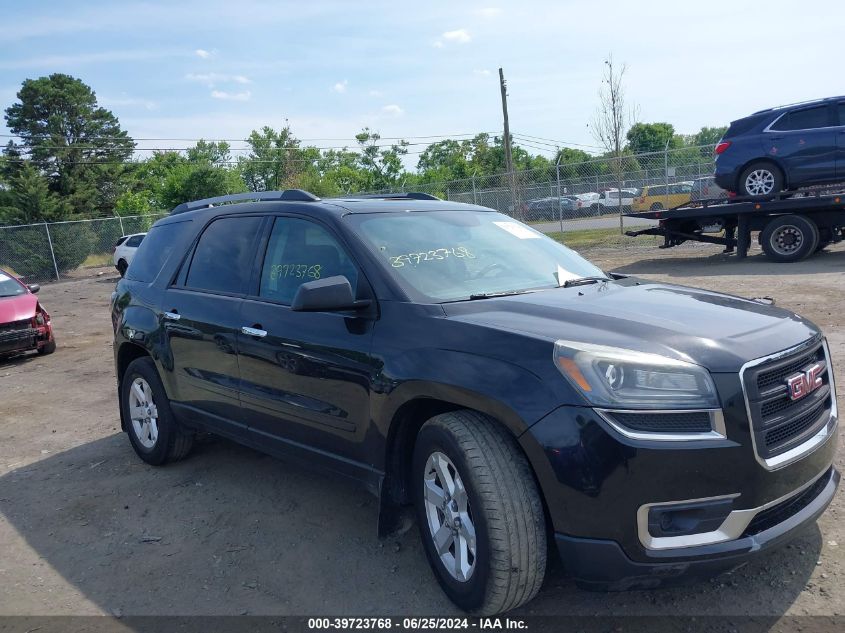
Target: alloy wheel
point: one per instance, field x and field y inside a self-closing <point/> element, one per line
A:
<point x="449" y="515"/>
<point x="143" y="413"/>
<point x="760" y="182"/>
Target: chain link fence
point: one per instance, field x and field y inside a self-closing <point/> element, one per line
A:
<point x="48" y="252"/>
<point x="581" y="195"/>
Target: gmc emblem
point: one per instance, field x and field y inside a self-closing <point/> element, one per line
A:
<point x="805" y="382"/>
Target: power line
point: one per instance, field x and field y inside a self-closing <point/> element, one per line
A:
<point x="245" y="140"/>
<point x="558" y="143"/>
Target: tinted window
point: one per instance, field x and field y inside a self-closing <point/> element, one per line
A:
<point x="842" y="114"/>
<point x="805" y="119"/>
<point x="154" y="251"/>
<point x="135" y="241"/>
<point x="224" y="255"/>
<point x="657" y="191"/>
<point x="300" y="251"/>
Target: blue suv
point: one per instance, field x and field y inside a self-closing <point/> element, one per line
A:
<point x="783" y="148"/>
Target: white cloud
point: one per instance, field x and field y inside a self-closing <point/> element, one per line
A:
<point x="340" y="86"/>
<point x="392" y="110"/>
<point x="231" y="96"/>
<point x="375" y="93"/>
<point x="482" y="72"/>
<point x="212" y="79"/>
<point x="458" y="36"/>
<point x="489" y="12"/>
<point x="202" y="53"/>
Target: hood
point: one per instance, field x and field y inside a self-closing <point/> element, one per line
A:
<point x="17" y="308"/>
<point x="717" y="331"/>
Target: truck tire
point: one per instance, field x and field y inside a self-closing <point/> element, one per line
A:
<point x="789" y="238"/>
<point x="760" y="180"/>
<point x="121" y="267"/>
<point x="479" y="510"/>
<point x="656" y="207"/>
<point x="159" y="439"/>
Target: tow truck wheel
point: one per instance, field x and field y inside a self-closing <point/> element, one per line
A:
<point x="657" y="207"/>
<point x="789" y="238"/>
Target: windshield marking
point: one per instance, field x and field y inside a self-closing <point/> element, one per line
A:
<point x="438" y="254"/>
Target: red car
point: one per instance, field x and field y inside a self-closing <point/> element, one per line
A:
<point x="24" y="323"/>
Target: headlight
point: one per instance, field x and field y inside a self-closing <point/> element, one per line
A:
<point x="620" y="378"/>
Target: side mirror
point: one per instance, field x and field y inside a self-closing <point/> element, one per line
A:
<point x="34" y="288"/>
<point x="326" y="295"/>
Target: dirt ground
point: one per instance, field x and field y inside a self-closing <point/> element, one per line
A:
<point x="87" y="528"/>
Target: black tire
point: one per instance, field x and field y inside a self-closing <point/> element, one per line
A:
<point x="504" y="506"/>
<point x="49" y="348"/>
<point x="656" y="207"/>
<point x="121" y="267"/>
<point x="172" y="443"/>
<point x="775" y="177"/>
<point x="789" y="238"/>
<point x="823" y="244"/>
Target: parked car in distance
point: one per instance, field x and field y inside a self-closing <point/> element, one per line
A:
<point x="550" y="208"/>
<point x="609" y="200"/>
<point x="783" y="148"/>
<point x="124" y="251"/>
<point x="656" y="197"/>
<point x="705" y="188"/>
<point x="464" y="365"/>
<point x="24" y="323"/>
<point x="586" y="204"/>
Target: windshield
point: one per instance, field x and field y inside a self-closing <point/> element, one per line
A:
<point x="454" y="255"/>
<point x="10" y="287"/>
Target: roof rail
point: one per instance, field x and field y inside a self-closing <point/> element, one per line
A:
<point x="797" y="103"/>
<point x="288" y="195"/>
<point x="407" y="195"/>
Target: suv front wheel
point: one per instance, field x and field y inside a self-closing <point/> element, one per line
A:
<point x="479" y="513"/>
<point x="153" y="431"/>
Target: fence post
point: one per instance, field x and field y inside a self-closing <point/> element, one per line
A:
<point x="559" y="201"/>
<point x="474" y="193"/>
<point x="52" y="252"/>
<point x="666" y="171"/>
<point x="122" y="232"/>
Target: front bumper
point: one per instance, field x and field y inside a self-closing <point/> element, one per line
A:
<point x="603" y="565"/>
<point x="25" y="339"/>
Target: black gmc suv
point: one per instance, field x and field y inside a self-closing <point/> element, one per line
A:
<point x="457" y="361"/>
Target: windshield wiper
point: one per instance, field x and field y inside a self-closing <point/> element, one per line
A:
<point x="492" y="295"/>
<point x="580" y="281"/>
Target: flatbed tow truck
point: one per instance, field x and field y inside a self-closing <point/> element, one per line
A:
<point x="792" y="225"/>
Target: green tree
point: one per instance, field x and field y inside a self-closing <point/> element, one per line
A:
<point x="278" y="161"/>
<point x="652" y="137"/>
<point x="709" y="135"/>
<point x="381" y="165"/>
<point x="32" y="199"/>
<point x="77" y="144"/>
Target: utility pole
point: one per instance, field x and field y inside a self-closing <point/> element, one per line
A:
<point x="508" y="153"/>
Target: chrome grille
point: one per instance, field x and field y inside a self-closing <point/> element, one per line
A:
<point x="778" y="423"/>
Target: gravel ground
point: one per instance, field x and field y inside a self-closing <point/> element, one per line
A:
<point x="87" y="528"/>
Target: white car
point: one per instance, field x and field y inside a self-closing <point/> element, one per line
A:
<point x="609" y="200"/>
<point x="125" y="250"/>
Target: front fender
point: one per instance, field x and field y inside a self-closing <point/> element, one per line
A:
<point x="503" y="390"/>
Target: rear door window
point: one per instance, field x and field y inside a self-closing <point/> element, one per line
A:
<point x="224" y="256"/>
<point x="134" y="241"/>
<point x="806" y="119"/>
<point x="155" y="250"/>
<point x="842" y="113"/>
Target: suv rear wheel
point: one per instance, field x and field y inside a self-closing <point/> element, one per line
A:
<point x="121" y="267"/>
<point x="479" y="511"/>
<point x="760" y="180"/>
<point x="153" y="431"/>
<point x="789" y="238"/>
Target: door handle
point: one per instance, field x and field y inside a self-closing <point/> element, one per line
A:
<point x="172" y="316"/>
<point x="251" y="331"/>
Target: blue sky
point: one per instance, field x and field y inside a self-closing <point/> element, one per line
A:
<point x="412" y="69"/>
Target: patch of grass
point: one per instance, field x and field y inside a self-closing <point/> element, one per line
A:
<point x="9" y="270"/>
<point x="589" y="238"/>
<point x="96" y="260"/>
